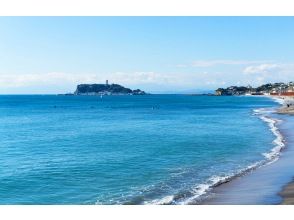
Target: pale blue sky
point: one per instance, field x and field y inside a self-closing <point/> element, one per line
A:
<point x="53" y="54"/>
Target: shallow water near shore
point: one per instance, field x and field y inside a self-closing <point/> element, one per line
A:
<point x="154" y="149"/>
<point x="263" y="185"/>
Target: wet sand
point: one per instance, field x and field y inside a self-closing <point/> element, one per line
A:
<point x="286" y="110"/>
<point x="288" y="194"/>
<point x="288" y="106"/>
<point x="268" y="184"/>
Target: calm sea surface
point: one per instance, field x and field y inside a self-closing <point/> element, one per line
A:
<point x="125" y="149"/>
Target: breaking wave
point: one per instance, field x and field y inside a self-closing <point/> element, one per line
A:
<point x="201" y="191"/>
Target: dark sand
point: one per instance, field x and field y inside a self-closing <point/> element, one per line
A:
<point x="286" y="110"/>
<point x="288" y="107"/>
<point x="264" y="185"/>
<point x="288" y="194"/>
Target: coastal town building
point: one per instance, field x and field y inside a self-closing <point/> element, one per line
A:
<point x="275" y="89"/>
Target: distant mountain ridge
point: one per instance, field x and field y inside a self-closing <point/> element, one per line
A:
<point x="106" y="89"/>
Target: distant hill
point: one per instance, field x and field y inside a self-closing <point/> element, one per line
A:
<point x="266" y="89"/>
<point x="106" y="89"/>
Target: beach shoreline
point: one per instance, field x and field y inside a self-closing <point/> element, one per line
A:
<point x="287" y="108"/>
<point x="287" y="105"/>
<point x="287" y="192"/>
<point x="269" y="184"/>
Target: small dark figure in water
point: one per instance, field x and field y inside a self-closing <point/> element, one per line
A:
<point x="54" y="106"/>
<point x="288" y="105"/>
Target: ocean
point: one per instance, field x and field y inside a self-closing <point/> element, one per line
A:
<point x="152" y="149"/>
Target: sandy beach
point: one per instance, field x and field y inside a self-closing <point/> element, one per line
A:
<point x="288" y="106"/>
<point x="288" y="194"/>
<point x="288" y="191"/>
<point x="262" y="185"/>
<point x="271" y="184"/>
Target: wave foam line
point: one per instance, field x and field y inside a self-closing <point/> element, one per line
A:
<point x="203" y="189"/>
<point x="279" y="141"/>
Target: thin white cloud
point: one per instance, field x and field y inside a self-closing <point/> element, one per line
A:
<point x="54" y="78"/>
<point x="59" y="78"/>
<point x="181" y="65"/>
<point x="263" y="68"/>
<point x="268" y="72"/>
<point x="171" y="81"/>
<point x="208" y="63"/>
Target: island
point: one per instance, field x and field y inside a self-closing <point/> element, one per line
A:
<point x="106" y="89"/>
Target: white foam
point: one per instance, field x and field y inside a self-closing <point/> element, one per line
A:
<point x="279" y="140"/>
<point x="214" y="181"/>
<point x="278" y="100"/>
<point x="263" y="111"/>
<point x="163" y="201"/>
<point x="270" y="157"/>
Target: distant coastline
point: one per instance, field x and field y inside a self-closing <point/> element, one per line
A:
<point x="275" y="89"/>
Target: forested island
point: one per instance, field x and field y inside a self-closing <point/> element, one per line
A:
<point x="106" y="89"/>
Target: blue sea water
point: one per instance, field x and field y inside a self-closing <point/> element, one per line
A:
<point x="153" y="149"/>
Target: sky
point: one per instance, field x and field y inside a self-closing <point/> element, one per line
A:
<point x="49" y="55"/>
